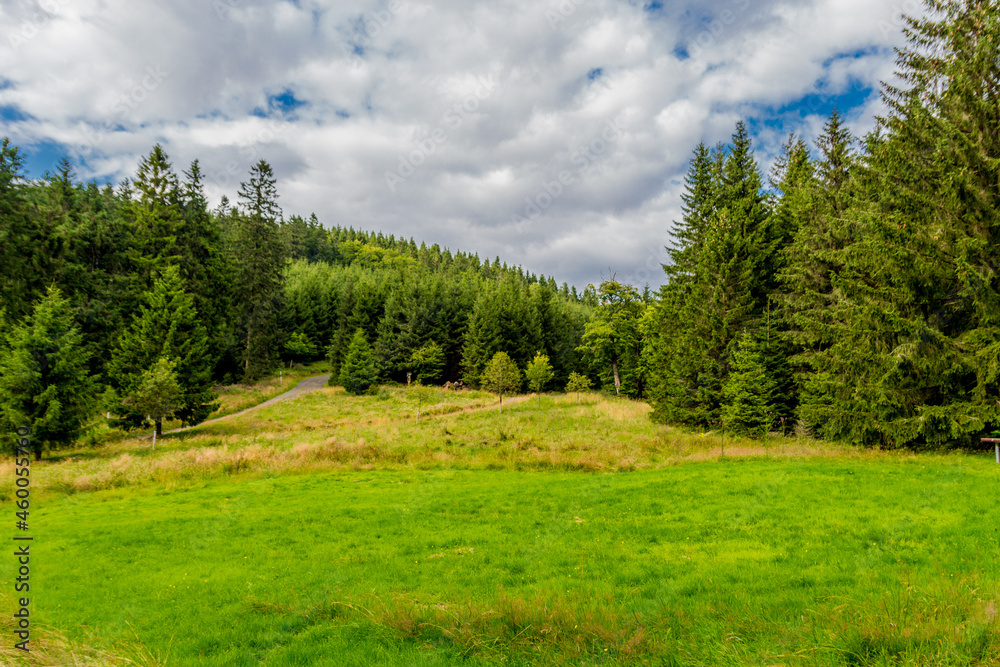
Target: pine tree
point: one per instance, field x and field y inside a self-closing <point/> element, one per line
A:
<point x="725" y="287"/>
<point x="259" y="260"/>
<point x="357" y="373"/>
<point x="483" y="338"/>
<point x="167" y="325"/>
<point x="44" y="380"/>
<point x="700" y="199"/>
<point x="204" y="263"/>
<point x="815" y="200"/>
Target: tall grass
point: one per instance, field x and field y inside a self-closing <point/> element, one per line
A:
<point x="328" y="430"/>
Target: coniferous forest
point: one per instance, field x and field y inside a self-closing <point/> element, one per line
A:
<point x="851" y="294"/>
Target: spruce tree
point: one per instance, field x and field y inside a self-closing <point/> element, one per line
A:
<point x="748" y="393"/>
<point x="167" y="325"/>
<point x="154" y="213"/>
<point x="357" y="373"/>
<point x="44" y="381"/>
<point x="259" y="260"/>
<point x="725" y="285"/>
<point x="204" y="263"/>
<point x="15" y="236"/>
<point x="428" y="363"/>
<point x="914" y="342"/>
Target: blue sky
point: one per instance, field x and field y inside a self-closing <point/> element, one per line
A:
<point x="553" y="133"/>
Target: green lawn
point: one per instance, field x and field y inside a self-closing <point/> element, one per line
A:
<point x="878" y="560"/>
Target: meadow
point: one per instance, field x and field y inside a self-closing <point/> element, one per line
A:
<point x="337" y="530"/>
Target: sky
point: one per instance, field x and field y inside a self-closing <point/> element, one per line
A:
<point x="554" y="134"/>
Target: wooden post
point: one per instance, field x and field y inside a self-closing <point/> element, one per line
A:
<point x="996" y="446"/>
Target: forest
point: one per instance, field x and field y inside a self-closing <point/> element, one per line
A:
<point x="851" y="295"/>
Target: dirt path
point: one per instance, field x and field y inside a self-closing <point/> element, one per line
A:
<point x="304" y="387"/>
<point x="493" y="406"/>
<point x="318" y="382"/>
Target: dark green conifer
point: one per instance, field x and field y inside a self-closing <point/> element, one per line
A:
<point x="357" y="373"/>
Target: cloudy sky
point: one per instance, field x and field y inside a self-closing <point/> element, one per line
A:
<point x="554" y="134"/>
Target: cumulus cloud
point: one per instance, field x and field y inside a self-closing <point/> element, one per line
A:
<point x="554" y="134"/>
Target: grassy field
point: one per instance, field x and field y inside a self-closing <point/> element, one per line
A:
<point x="342" y="531"/>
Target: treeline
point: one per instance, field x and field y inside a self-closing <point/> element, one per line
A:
<point x="860" y="296"/>
<point x="102" y="286"/>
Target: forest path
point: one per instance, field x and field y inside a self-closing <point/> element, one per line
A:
<point x="318" y="382"/>
<point x="305" y="386"/>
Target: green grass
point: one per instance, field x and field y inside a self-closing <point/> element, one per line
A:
<point x="237" y="397"/>
<point x="340" y="531"/>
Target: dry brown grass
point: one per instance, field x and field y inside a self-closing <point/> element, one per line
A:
<point x="599" y="435"/>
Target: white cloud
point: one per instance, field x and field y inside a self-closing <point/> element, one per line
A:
<point x="109" y="78"/>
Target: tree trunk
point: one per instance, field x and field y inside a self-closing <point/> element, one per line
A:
<point x="159" y="427"/>
<point x="38" y="453"/>
<point x="618" y="381"/>
<point x="501" y="403"/>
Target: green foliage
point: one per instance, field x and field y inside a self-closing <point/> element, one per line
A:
<point x="15" y="234"/>
<point x="259" y="253"/>
<point x="158" y="394"/>
<point x="538" y="372"/>
<point x="44" y="381"/>
<point x="578" y="383"/>
<point x="748" y="394"/>
<point x="613" y="338"/>
<point x="895" y="293"/>
<point x="167" y="325"/>
<point x="357" y="374"/>
<point x="428" y="362"/>
<point x="723" y="273"/>
<point x="300" y="348"/>
<point x="501" y="376"/>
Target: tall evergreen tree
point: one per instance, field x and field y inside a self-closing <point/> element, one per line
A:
<point x="259" y="262"/>
<point x="155" y="215"/>
<point x="726" y="288"/>
<point x="204" y="263"/>
<point x="15" y="270"/>
<point x="166" y="325"/>
<point x="748" y="394"/>
<point x="44" y="381"/>
<point x="915" y="335"/>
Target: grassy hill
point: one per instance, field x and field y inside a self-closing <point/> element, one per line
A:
<point x="336" y="530"/>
